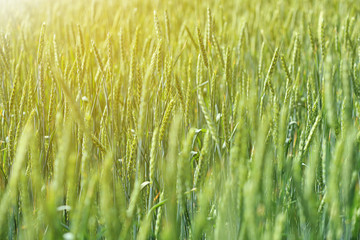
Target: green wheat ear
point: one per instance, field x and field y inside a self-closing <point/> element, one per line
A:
<point x="356" y="85"/>
<point x="202" y="47"/>
<point x="41" y="44"/>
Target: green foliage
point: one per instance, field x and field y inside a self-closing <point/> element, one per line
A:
<point x="179" y="119"/>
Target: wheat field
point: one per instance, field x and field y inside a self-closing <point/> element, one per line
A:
<point x="188" y="119"/>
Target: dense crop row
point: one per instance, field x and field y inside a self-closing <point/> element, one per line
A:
<point x="186" y="119"/>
